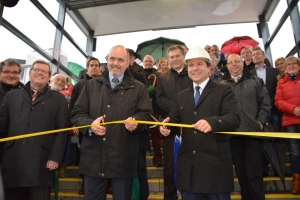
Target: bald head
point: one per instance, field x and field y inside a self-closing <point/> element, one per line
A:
<point x="235" y="65"/>
<point x="118" y="61"/>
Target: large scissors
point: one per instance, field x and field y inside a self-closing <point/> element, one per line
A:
<point x="156" y="121"/>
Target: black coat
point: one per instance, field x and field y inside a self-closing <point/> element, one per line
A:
<point x="271" y="83"/>
<point x="207" y="154"/>
<point x="168" y="86"/>
<point x="6" y="88"/>
<point x="113" y="155"/>
<point x="24" y="160"/>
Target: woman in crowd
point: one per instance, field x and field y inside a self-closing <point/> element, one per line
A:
<point x="287" y="101"/>
<point x="246" y="54"/>
<point x="163" y="66"/>
<point x="280" y="65"/>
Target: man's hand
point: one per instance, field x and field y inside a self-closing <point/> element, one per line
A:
<point x="98" y="130"/>
<point x="163" y="130"/>
<point x="203" y="126"/>
<point x="296" y="111"/>
<point x="261" y="126"/>
<point x="130" y="125"/>
<point x="75" y="131"/>
<point x="51" y="165"/>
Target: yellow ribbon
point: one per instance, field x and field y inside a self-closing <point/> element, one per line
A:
<point x="260" y="134"/>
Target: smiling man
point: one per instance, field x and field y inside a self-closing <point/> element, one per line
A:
<point x="28" y="164"/>
<point x="10" y="71"/>
<point x="204" y="166"/>
<point x="110" y="153"/>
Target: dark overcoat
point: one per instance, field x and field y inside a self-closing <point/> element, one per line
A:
<point x="208" y="155"/>
<point x="113" y="155"/>
<point x="24" y="160"/>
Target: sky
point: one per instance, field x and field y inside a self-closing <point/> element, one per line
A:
<point x="42" y="32"/>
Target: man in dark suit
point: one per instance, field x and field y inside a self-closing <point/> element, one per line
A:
<point x="269" y="76"/>
<point x="204" y="166"/>
<point x="168" y="86"/>
<point x="28" y="164"/>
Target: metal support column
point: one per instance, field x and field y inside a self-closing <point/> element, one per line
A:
<point x="295" y="20"/>
<point x="59" y="36"/>
<point x="1" y="13"/>
<point x="89" y="43"/>
<point x="263" y="26"/>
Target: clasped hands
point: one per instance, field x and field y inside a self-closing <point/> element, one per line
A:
<point x="202" y="125"/>
<point x="101" y="130"/>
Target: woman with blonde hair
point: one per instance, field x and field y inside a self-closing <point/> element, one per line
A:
<point x="287" y="101"/>
<point x="280" y="65"/>
<point x="163" y="65"/>
<point x="246" y="54"/>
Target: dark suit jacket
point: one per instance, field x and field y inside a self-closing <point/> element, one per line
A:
<point x="208" y="155"/>
<point x="271" y="83"/>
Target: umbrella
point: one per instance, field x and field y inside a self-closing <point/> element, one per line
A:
<point x="156" y="48"/>
<point x="151" y="87"/>
<point x="177" y="143"/>
<point x="135" y="194"/>
<point x="275" y="149"/>
<point x="235" y="44"/>
<point x="56" y="184"/>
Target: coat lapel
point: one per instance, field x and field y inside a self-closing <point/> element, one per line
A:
<point x="190" y="96"/>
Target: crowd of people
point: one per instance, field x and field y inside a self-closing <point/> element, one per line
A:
<point x="198" y="86"/>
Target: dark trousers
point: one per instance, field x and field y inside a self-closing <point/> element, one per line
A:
<point x="23" y="193"/>
<point x="246" y="154"/>
<point x="170" y="192"/>
<point x="156" y="141"/>
<point x="202" y="196"/>
<point x="142" y="175"/>
<point x="95" y="188"/>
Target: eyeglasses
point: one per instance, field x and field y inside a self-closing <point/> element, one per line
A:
<point x="37" y="70"/>
<point x="290" y="64"/>
<point x="15" y="73"/>
<point x="234" y="62"/>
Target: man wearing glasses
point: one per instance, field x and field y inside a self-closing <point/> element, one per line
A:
<point x="10" y="71"/>
<point x="27" y="165"/>
<point x="255" y="109"/>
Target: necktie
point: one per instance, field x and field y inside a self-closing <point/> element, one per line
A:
<point x="35" y="93"/>
<point x="197" y="95"/>
<point x="115" y="81"/>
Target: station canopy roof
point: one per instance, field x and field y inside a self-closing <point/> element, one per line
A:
<point x="107" y="17"/>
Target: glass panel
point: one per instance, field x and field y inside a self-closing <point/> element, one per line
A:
<point x="276" y="16"/>
<point x="284" y="41"/>
<point x="299" y="7"/>
<point x="70" y="54"/>
<point x="42" y="32"/>
<point x="75" y="32"/>
<point x="51" y="6"/>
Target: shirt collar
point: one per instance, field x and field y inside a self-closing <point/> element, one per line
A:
<point x="111" y="77"/>
<point x="263" y="67"/>
<point x="202" y="85"/>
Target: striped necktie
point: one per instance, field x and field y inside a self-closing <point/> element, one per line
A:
<point x="115" y="81"/>
<point x="34" y="95"/>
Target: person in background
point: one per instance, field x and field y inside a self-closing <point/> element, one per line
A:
<point x="151" y="74"/>
<point x="83" y="72"/>
<point x="163" y="65"/>
<point x="28" y="164"/>
<point x="255" y="110"/>
<point x="204" y="165"/>
<point x="168" y="86"/>
<point x="133" y="66"/>
<point x="221" y="64"/>
<point x="185" y="49"/>
<point x="226" y="55"/>
<point x="246" y="54"/>
<point x="214" y="73"/>
<point x="10" y="71"/>
<point x="111" y="152"/>
<point x="57" y="82"/>
<point x="287" y="101"/>
<point x="208" y="48"/>
<point x="280" y="65"/>
<point x="102" y="69"/>
<point x="93" y="71"/>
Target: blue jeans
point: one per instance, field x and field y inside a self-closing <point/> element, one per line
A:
<point x="294" y="149"/>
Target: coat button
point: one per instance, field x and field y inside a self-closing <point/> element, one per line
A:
<point x="108" y="106"/>
<point x="220" y="121"/>
<point x="195" y="113"/>
<point x="102" y="174"/>
<point x="194" y="152"/>
<point x="31" y="108"/>
<point x="104" y="139"/>
<point x="195" y="132"/>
